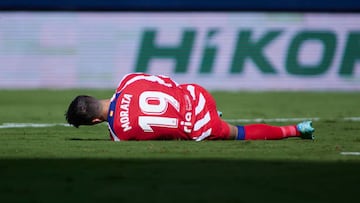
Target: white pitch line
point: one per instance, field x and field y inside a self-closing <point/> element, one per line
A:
<point x="350" y="153"/>
<point x="238" y="120"/>
<point x="352" y="118"/>
<point x="259" y="120"/>
<point x="31" y="125"/>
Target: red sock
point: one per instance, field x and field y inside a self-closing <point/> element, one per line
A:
<point x="268" y="132"/>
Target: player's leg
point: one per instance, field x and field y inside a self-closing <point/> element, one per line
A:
<point x="207" y="122"/>
<point x="269" y="132"/>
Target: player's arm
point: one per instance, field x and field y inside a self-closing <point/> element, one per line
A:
<point x="126" y="79"/>
<point x="133" y="77"/>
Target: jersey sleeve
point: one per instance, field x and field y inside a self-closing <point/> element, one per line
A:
<point x="133" y="77"/>
<point x="127" y="78"/>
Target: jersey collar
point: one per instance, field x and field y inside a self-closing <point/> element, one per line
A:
<point x="111" y="113"/>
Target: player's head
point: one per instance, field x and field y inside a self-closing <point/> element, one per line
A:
<point x="83" y="110"/>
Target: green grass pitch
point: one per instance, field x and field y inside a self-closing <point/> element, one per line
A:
<point x="64" y="164"/>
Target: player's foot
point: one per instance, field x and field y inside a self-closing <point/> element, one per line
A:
<point x="306" y="130"/>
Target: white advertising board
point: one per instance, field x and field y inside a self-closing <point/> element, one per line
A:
<point x="221" y="51"/>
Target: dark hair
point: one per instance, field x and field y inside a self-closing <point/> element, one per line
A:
<point x="82" y="110"/>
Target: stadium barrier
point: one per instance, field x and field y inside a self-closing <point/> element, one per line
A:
<point x="221" y="51"/>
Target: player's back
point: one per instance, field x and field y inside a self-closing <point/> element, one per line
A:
<point x="147" y="107"/>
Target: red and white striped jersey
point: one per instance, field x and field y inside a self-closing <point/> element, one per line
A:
<point x="150" y="107"/>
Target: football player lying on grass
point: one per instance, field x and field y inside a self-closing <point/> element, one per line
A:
<point x="152" y="107"/>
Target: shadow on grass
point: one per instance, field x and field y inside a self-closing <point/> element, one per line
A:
<point x="176" y="180"/>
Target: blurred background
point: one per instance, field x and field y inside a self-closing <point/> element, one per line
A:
<point x="222" y="45"/>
